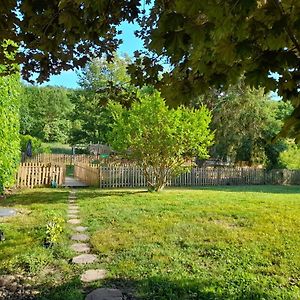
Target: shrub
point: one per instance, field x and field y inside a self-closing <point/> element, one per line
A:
<point x="37" y="146"/>
<point x="160" y="139"/>
<point x="290" y="158"/>
<point x="54" y="230"/>
<point x="9" y="128"/>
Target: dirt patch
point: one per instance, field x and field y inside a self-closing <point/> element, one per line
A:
<point x="16" y="287"/>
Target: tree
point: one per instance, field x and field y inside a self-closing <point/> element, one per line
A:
<point x="45" y="113"/>
<point x="290" y="158"/>
<point x="207" y="43"/>
<point x="212" y="43"/>
<point x="100" y="82"/>
<point x="159" y="138"/>
<point x="61" y="34"/>
<point x="245" y="120"/>
<point x="9" y="129"/>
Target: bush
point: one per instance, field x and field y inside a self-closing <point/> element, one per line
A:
<point x="9" y="128"/>
<point x="290" y="158"/>
<point x="37" y="146"/>
<point x="158" y="138"/>
<point x="54" y="230"/>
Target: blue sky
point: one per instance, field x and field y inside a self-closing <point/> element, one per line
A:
<point x="130" y="44"/>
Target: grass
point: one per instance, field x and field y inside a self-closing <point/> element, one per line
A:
<point x="23" y="251"/>
<point x="59" y="148"/>
<point x="70" y="170"/>
<point x="212" y="243"/>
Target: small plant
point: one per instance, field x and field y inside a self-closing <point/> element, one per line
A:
<point x="33" y="262"/>
<point x="54" y="229"/>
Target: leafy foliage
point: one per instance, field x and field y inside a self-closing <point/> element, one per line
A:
<point x="211" y="44"/>
<point x="100" y="82"/>
<point x="45" y="113"/>
<point x="9" y="129"/>
<point x="54" y="230"/>
<point x="61" y="34"/>
<point x="159" y="138"/>
<point x="37" y="146"/>
<point x="245" y="121"/>
<point x="207" y="43"/>
<point x="290" y="158"/>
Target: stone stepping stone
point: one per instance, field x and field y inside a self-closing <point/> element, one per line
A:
<point x="74" y="221"/>
<point x="73" y="211"/>
<point x="84" y="259"/>
<point x="80" y="228"/>
<point x="72" y="216"/>
<point x="72" y="201"/>
<point x="80" y="247"/>
<point x="80" y="237"/>
<point x="93" y="275"/>
<point x="7" y="212"/>
<point x="72" y="206"/>
<point x="105" y="294"/>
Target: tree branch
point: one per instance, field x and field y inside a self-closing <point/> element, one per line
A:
<point x="287" y="28"/>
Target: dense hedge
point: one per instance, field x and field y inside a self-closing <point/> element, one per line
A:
<point x="9" y="129"/>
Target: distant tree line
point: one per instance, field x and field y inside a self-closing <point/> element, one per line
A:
<point x="244" y="120"/>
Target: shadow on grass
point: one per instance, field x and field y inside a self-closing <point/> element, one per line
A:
<point x="269" y="189"/>
<point x="91" y="193"/>
<point x="156" y="288"/>
<point x="72" y="290"/>
<point x="36" y="196"/>
<point x="57" y="196"/>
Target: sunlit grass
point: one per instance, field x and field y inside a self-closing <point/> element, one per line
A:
<point x="23" y="251"/>
<point x="220" y="243"/>
<point x="210" y="243"/>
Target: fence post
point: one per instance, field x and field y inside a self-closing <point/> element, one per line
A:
<point x="100" y="176"/>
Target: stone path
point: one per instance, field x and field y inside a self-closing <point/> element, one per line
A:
<point x="84" y="257"/>
<point x="72" y="182"/>
<point x="105" y="294"/>
<point x="7" y="212"/>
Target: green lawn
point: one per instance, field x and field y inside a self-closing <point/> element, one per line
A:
<point x="210" y="243"/>
<point x="59" y="148"/>
<point x="23" y="251"/>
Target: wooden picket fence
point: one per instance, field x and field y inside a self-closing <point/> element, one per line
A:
<point x="133" y="177"/>
<point x="33" y="174"/>
<point x="87" y="173"/>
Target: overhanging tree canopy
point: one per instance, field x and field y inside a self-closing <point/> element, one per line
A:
<point x="212" y="43"/>
<point x="208" y="42"/>
<point x="58" y="35"/>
